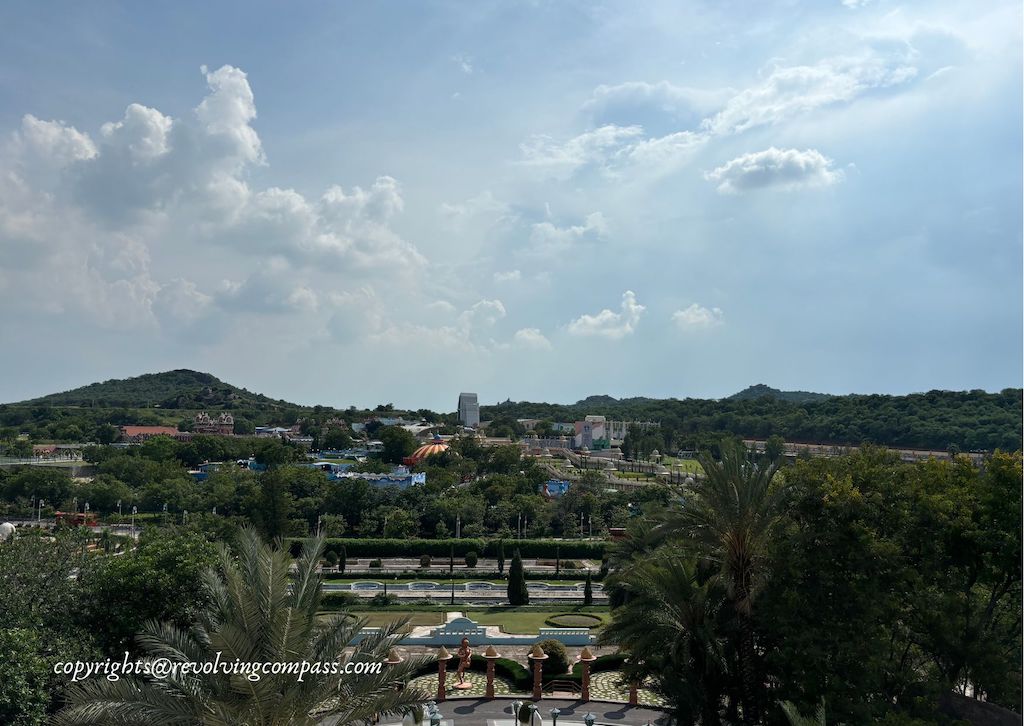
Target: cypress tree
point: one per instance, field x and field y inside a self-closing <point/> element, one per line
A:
<point x="588" y="591"/>
<point x="517" y="592"/>
<point x="342" y="559"/>
<point x="501" y="557"/>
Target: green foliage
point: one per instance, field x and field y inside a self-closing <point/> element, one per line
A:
<point x="24" y="678"/>
<point x="398" y="443"/>
<point x="588" y="591"/>
<point x="557" y="662"/>
<point x="159" y="580"/>
<point x="424" y="561"/>
<point x="258" y="611"/>
<point x="471" y="559"/>
<point x="518" y="594"/>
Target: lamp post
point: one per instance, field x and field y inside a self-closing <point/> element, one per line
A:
<point x="516" y="705"/>
<point x="135" y="510"/>
<point x="39" y="517"/>
<point x="443" y="657"/>
<point x="589" y="719"/>
<point x="586" y="658"/>
<point x="184" y="516"/>
<point x="118" y="507"/>
<point x="538" y="657"/>
<point x="491" y="655"/>
<point x="554" y="716"/>
<point x="533" y="713"/>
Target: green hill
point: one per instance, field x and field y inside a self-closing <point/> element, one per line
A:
<point x="178" y="389"/>
<point x="761" y="390"/>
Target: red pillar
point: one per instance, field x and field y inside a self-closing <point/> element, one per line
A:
<point x="632" y="694"/>
<point x="442" y="667"/>
<point x="490" y="678"/>
<point x="586" y="681"/>
<point x="537" y="688"/>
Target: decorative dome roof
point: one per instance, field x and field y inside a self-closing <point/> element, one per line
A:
<point x="434" y="447"/>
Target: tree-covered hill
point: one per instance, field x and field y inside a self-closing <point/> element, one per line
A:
<point x="177" y="389"/>
<point x="761" y="390"/>
<point x="968" y="420"/>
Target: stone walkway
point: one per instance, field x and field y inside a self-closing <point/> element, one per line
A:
<point x="478" y="712"/>
<point x="604" y="686"/>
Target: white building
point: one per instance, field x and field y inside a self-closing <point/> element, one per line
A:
<point x="469" y="410"/>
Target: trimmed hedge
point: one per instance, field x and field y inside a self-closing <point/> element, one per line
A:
<point x="413" y="548"/>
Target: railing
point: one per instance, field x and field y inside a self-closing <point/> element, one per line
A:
<point x="562" y="686"/>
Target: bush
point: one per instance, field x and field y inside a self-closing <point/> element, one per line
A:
<point x="382" y="600"/>
<point x="424" y="561"/>
<point x="338" y="600"/>
<point x="558" y="657"/>
<point x="471" y="559"/>
<point x="374" y="563"/>
<point x="570" y="565"/>
<point x="331" y="557"/>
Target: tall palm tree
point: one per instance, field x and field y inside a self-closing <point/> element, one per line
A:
<point x="258" y="614"/>
<point x="670" y="626"/>
<point x="728" y="517"/>
<point x="795" y="718"/>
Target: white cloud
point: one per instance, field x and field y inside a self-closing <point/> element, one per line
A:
<point x="532" y="338"/>
<point x="591" y="147"/>
<point x="608" y="324"/>
<point x="54" y="141"/>
<point x="464" y="62"/>
<point x="143" y="131"/>
<point x="483" y="314"/>
<point x="509" y="276"/>
<point x="796" y="90"/>
<point x="775" y="168"/>
<point x="640" y="101"/>
<point x="549" y="239"/>
<point x="696" y="317"/>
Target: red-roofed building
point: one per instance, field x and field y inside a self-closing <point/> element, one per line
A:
<point x="138" y="434"/>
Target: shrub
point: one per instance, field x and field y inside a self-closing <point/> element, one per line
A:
<point x="471" y="559"/>
<point x="570" y="565"/>
<point x="374" y="563"/>
<point x="424" y="561"/>
<point x="383" y="599"/>
<point x="331" y="557"/>
<point x="558" y="657"/>
<point x="338" y="600"/>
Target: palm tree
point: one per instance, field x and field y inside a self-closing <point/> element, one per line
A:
<point x="670" y="623"/>
<point x="258" y="615"/>
<point x="728" y="518"/>
<point x="795" y="718"/>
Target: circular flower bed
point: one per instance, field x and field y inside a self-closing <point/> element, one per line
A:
<point x="574" y="620"/>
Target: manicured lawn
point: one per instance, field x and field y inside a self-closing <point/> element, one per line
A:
<point x="512" y="620"/>
<point x="688" y="465"/>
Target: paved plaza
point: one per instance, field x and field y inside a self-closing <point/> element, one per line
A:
<point x="480" y="712"/>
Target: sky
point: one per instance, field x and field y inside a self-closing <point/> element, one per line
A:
<point x="360" y="203"/>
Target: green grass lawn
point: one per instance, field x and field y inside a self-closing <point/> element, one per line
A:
<point x="690" y="465"/>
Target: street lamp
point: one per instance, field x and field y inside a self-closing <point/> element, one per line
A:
<point x="589" y="719"/>
<point x="135" y="510"/>
<point x="533" y="713"/>
<point x="39" y="517"/>
<point x="554" y="716"/>
<point x="184" y="516"/>
<point x="118" y="507"/>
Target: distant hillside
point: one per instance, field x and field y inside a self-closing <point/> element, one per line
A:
<point x="968" y="420"/>
<point x="178" y="389"/>
<point x="761" y="390"/>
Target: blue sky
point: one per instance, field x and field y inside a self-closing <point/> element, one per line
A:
<point x="355" y="203"/>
